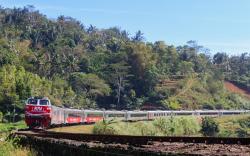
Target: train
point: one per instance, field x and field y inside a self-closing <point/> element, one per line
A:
<point x="39" y="112"/>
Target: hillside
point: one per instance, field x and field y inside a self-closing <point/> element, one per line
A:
<point x="85" y="67"/>
<point x="235" y="89"/>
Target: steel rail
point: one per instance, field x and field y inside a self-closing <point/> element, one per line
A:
<point x="136" y="140"/>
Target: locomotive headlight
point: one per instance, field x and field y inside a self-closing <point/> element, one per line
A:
<point x="48" y="109"/>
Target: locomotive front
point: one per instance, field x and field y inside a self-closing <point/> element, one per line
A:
<point x="38" y="112"/>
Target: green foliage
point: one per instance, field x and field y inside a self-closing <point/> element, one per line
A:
<point x="6" y="127"/>
<point x="103" y="127"/>
<point x="89" y="84"/>
<point x="245" y="123"/>
<point x="233" y="126"/>
<point x="209" y="127"/>
<point x="159" y="127"/>
<point x="88" y="67"/>
<point x="11" y="147"/>
<point x="1" y="117"/>
<point x="177" y="126"/>
<point x="172" y="105"/>
<point x="241" y="133"/>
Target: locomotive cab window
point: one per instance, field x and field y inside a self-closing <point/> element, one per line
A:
<point x="44" y="102"/>
<point x="32" y="101"/>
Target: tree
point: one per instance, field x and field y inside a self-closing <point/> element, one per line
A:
<point x="89" y="85"/>
<point x="186" y="67"/>
<point x="138" y="36"/>
<point x="118" y="76"/>
<point x="209" y="127"/>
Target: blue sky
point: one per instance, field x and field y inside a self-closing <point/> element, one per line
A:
<point x="220" y="25"/>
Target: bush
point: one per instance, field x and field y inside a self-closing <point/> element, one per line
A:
<point x="1" y="117"/>
<point x="104" y="127"/>
<point x="241" y="133"/>
<point x="177" y="126"/>
<point x="11" y="147"/>
<point x="209" y="127"/>
<point x="146" y="129"/>
<point x="245" y="123"/>
<point x="208" y="106"/>
<point x="190" y="126"/>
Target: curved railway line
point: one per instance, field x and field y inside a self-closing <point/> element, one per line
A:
<point x="133" y="140"/>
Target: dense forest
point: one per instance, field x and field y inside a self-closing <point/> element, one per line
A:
<point x="86" y="67"/>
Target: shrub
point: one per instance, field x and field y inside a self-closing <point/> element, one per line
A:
<point x="241" y="132"/>
<point x="1" y="117"/>
<point x="208" y="106"/>
<point x="104" y="127"/>
<point x="245" y="123"/>
<point x="209" y="127"/>
<point x="190" y="125"/>
<point x="146" y="129"/>
<point x="177" y="126"/>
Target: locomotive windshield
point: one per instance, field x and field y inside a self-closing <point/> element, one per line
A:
<point x="32" y="101"/>
<point x="44" y="102"/>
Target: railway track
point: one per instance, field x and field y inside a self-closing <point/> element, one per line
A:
<point x="133" y="140"/>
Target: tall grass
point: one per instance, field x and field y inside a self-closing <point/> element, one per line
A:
<point x="10" y="147"/>
<point x="177" y="126"/>
<point x="104" y="127"/>
<point x="6" y="127"/>
<point x="160" y="127"/>
<point x="234" y="126"/>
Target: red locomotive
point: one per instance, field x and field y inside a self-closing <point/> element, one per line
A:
<point x="40" y="113"/>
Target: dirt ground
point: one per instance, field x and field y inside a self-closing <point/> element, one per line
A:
<point x="156" y="148"/>
<point x="235" y="89"/>
<point x="200" y="149"/>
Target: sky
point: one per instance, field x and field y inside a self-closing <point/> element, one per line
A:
<point x="219" y="25"/>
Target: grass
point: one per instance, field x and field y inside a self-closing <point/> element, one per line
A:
<point x="7" y="127"/>
<point x="9" y="147"/>
<point x="74" y="129"/>
<point x="158" y="127"/>
<point x="228" y="125"/>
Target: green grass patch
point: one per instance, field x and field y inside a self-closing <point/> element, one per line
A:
<point x="234" y="126"/>
<point x="6" y="127"/>
<point x="10" y="147"/>
<point x="171" y="126"/>
<point x="74" y="129"/>
<point x="229" y="126"/>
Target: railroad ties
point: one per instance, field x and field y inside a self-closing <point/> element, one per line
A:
<point x="60" y="143"/>
<point x="135" y="140"/>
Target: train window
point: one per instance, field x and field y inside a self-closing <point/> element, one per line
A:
<point x="208" y="113"/>
<point x="184" y="113"/>
<point x="32" y="101"/>
<point x="74" y="115"/>
<point x="94" y="115"/>
<point x="138" y="115"/>
<point x="116" y="115"/>
<point x="44" y="102"/>
<point x="231" y="113"/>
